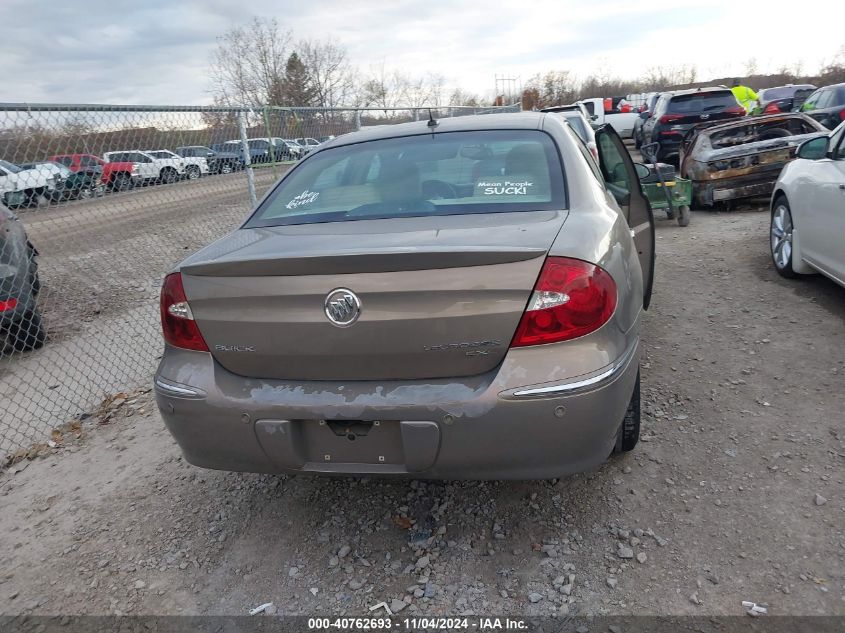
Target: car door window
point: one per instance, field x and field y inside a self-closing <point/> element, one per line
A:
<point x="838" y="142"/>
<point x="810" y="102"/>
<point x="824" y="99"/>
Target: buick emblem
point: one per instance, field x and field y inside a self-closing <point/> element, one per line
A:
<point x="705" y="116"/>
<point x="343" y="307"/>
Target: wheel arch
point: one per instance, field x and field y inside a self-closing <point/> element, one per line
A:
<point x="798" y="263"/>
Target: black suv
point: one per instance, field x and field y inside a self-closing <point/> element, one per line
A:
<point x="827" y="105"/>
<point x="676" y="112"/>
<point x="218" y="162"/>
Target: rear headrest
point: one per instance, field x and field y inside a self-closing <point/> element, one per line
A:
<point x="528" y="159"/>
<point x="399" y="181"/>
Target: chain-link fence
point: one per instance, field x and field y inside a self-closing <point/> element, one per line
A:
<point x="96" y="204"/>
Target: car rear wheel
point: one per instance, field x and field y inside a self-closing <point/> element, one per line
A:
<point x="780" y="238"/>
<point x="629" y="430"/>
<point x="168" y="175"/>
<point x="193" y="172"/>
<point x="226" y="168"/>
<point x="122" y="182"/>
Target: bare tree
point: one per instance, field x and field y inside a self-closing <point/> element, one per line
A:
<point x="248" y="67"/>
<point x="332" y="76"/>
<point x="437" y="84"/>
<point x="555" y="87"/>
<point x="460" y="98"/>
<point x="384" y="88"/>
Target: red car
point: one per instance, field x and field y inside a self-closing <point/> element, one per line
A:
<point x="118" y="176"/>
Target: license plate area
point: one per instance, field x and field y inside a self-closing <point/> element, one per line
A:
<point x="352" y="441"/>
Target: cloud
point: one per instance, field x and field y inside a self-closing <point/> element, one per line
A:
<point x="158" y="51"/>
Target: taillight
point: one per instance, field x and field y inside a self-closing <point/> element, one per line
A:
<point x="772" y="108"/>
<point x="737" y="109"/>
<point x="177" y="320"/>
<point x="668" y="118"/>
<point x="8" y="304"/>
<point x="571" y="298"/>
<point x="842" y="114"/>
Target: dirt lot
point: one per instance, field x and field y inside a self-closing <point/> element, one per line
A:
<point x="735" y="493"/>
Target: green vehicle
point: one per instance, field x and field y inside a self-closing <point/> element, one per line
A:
<point x="663" y="188"/>
<point x="70" y="185"/>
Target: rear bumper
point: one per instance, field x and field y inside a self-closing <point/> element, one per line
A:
<point x="708" y="193"/>
<point x="475" y="429"/>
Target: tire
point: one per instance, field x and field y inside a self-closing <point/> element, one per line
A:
<point x="629" y="430"/>
<point x="683" y="215"/>
<point x="226" y="168"/>
<point x="193" y="172"/>
<point x="85" y="193"/>
<point x="638" y="142"/>
<point x="780" y="238"/>
<point x="34" y="278"/>
<point x="31" y="197"/>
<point x="121" y="182"/>
<point x="168" y="175"/>
<point x="28" y="333"/>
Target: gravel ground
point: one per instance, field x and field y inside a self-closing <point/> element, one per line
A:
<point x="735" y="492"/>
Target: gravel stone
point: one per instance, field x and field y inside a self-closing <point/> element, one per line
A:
<point x="396" y="605"/>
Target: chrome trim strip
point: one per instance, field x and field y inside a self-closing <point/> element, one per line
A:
<point x="580" y="385"/>
<point x="179" y="391"/>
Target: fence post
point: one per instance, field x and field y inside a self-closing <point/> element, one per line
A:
<point x="270" y="140"/>
<point x="250" y="176"/>
<point x="358" y="120"/>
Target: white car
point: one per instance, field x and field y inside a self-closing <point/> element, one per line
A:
<point x="148" y="167"/>
<point x="808" y="210"/>
<point x="195" y="166"/>
<point x="622" y="119"/>
<point x="582" y="128"/>
<point x="24" y="187"/>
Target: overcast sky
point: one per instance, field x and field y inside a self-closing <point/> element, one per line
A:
<point x="157" y="51"/>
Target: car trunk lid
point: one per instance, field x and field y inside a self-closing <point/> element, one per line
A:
<point x="439" y="296"/>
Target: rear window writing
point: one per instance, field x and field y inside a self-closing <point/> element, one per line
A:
<point x="426" y="175"/>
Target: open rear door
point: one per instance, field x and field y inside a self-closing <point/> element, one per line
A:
<point x="624" y="184"/>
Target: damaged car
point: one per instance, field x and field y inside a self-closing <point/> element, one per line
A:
<point x="742" y="159"/>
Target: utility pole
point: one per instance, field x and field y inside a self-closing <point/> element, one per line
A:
<point x="509" y="87"/>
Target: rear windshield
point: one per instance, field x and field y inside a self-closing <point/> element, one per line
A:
<point x="704" y="102"/>
<point x="433" y="174"/>
<point x="784" y="92"/>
